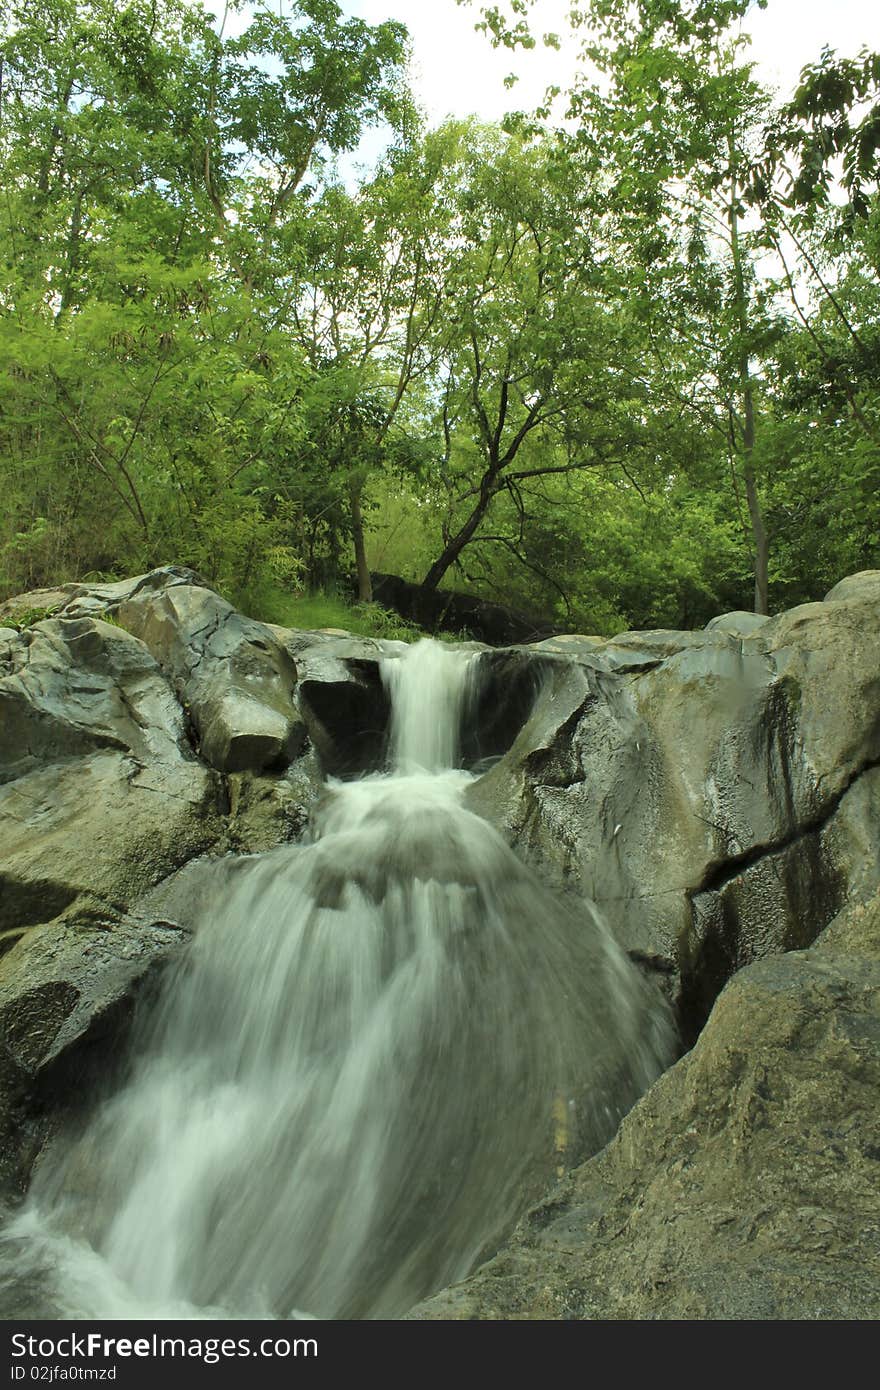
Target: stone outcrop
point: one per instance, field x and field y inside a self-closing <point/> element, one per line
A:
<point x="142" y="725"/>
<point x="232" y="675"/>
<point x="745" y="1184"/>
<point x="716" y="793"/>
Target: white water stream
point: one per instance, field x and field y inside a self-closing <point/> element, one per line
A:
<point x="384" y="1044"/>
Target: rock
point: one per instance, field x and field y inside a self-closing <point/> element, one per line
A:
<point x="449" y="611"/>
<point x="744" y="1184"/>
<point x="864" y="585"/>
<point x="70" y="687"/>
<point x="103" y="799"/>
<point x="100" y="792"/>
<point x="92" y="600"/>
<point x="98" y="832"/>
<point x="268" y="811"/>
<point x="568" y="643"/>
<point x="343" y="699"/>
<point x="232" y="674"/>
<point x="739" y="623"/>
<point x="66" y="996"/>
<point x="706" y="790"/>
<point x="229" y="671"/>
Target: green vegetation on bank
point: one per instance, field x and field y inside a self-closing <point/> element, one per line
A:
<point x="314" y="611"/>
<point x="619" y="374"/>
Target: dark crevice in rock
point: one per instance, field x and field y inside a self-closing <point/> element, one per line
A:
<point x="347" y="720"/>
<point x="719" y="874"/>
<point x="503" y="695"/>
<point x="650" y="960"/>
<point x="543" y="764"/>
<point x="813" y="893"/>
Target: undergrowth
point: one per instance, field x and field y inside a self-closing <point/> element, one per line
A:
<point x="314" y="611"/>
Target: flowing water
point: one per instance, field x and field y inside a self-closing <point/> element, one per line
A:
<point x="378" y="1048"/>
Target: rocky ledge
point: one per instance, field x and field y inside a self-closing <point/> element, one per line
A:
<point x="716" y="793"/>
<point x="745" y="1184"/>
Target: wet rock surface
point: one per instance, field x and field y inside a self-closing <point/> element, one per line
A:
<point x="124" y="756"/>
<point x="744" y="1184"/>
<point x="716" y="793"/>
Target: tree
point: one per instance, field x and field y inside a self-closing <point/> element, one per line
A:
<point x="676" y="116"/>
<point x="155" y="192"/>
<point x="533" y="338"/>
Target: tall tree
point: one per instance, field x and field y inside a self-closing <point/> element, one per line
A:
<point x="533" y="339"/>
<point x="156" y="185"/>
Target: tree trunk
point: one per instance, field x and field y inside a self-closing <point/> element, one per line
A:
<point x="759" y="530"/>
<point x="365" y="585"/>
<point x="461" y="538"/>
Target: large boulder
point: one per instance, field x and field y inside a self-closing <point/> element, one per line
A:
<point x="119" y="766"/>
<point x="233" y="676"/>
<point x="714" y="794"/>
<point x="744" y="1184"/>
<point x="101" y="794"/>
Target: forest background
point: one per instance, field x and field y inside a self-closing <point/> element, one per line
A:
<point x="614" y="361"/>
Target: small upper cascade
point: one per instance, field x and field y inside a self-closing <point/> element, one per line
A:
<point x="428" y="686"/>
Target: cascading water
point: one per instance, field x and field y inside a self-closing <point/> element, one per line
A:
<point x="377" y="1049"/>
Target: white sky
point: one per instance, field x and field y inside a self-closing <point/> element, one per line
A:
<point x="456" y="71"/>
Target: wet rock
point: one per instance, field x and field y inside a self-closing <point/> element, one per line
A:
<point x="102" y="799"/>
<point x="744" y="1184"/>
<point x="739" y="623"/>
<point x="99" y="830"/>
<point x="69" y="687"/>
<point x="706" y="790"/>
<point x="93" y="600"/>
<point x="231" y="673"/>
<point x="66" y="998"/>
<point x="343" y="699"/>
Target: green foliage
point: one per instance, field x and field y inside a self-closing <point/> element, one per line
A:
<point x="312" y="612"/>
<point x="151" y="375"/>
<point x="610" y="375"/>
<point x="27" y="618"/>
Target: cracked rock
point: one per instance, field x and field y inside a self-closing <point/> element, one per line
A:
<point x="743" y="1185"/>
<point x="702" y="788"/>
<point x="232" y="675"/>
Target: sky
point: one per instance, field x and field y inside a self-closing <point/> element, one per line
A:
<point x="456" y="71"/>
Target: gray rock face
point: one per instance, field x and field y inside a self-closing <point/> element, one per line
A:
<point x="71" y="687"/>
<point x="740" y="623"/>
<point x="110" y="781"/>
<point x="342" y="699"/>
<point x="744" y="1184"/>
<point x="100" y="792"/>
<point x="234" y="677"/>
<point x="714" y="794"/>
<point x="864" y="585"/>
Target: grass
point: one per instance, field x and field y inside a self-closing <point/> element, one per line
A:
<point x="312" y="611"/>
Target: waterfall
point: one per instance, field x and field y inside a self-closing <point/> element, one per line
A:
<point x="428" y="691"/>
<point x="379" y="1047"/>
